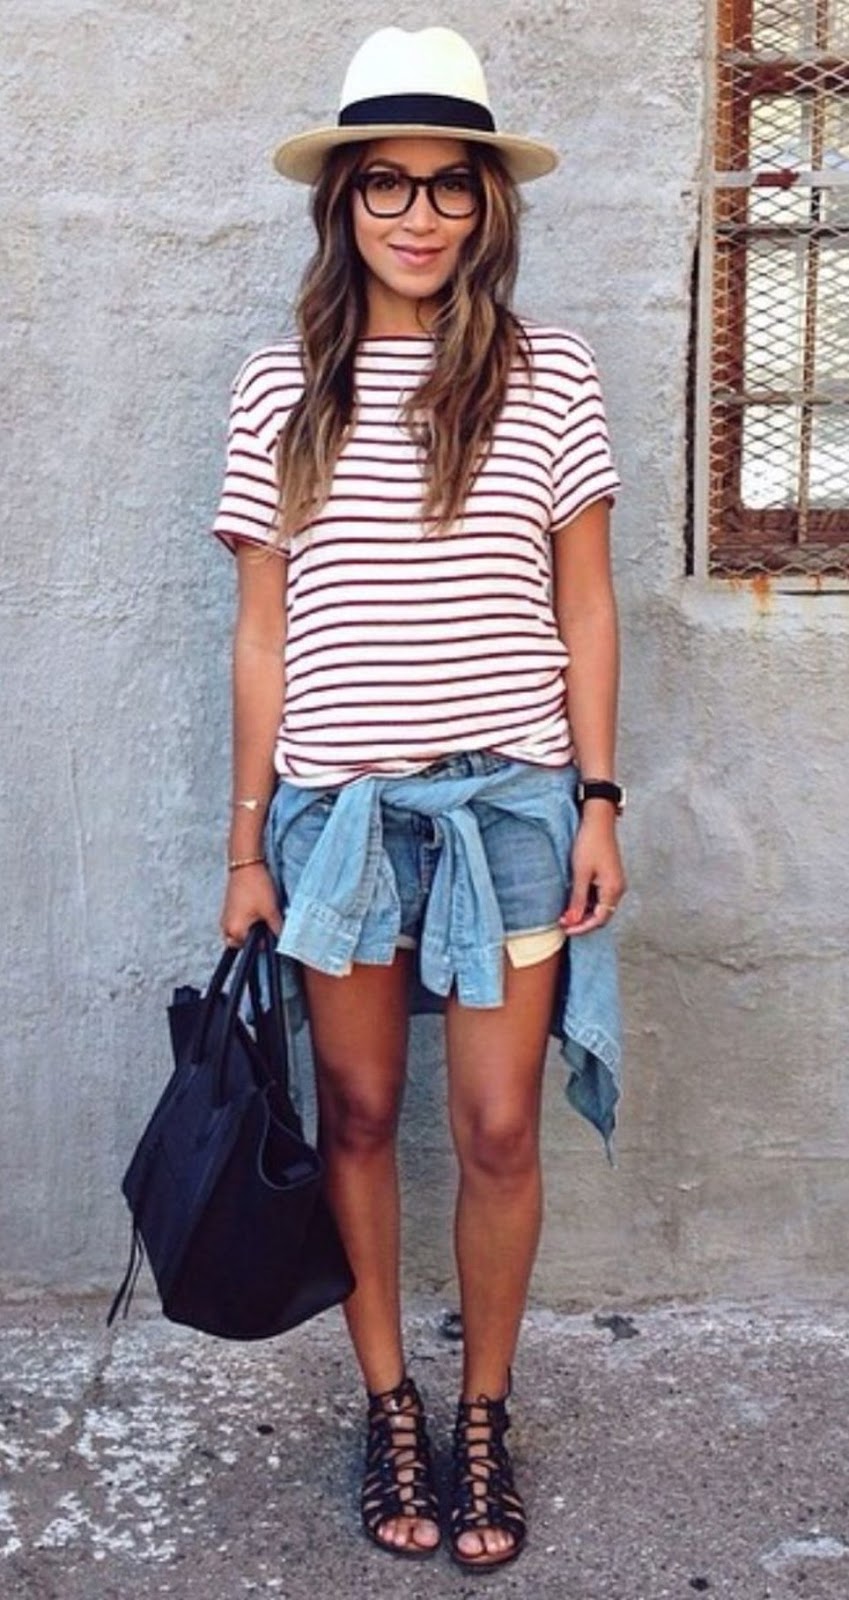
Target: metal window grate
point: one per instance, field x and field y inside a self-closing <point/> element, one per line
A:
<point x="778" y="494"/>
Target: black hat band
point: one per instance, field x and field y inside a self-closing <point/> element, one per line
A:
<point x="436" y="110"/>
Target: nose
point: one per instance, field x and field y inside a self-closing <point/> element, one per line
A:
<point x="421" y="216"/>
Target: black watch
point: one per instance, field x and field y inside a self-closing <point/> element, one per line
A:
<point x="602" y="789"/>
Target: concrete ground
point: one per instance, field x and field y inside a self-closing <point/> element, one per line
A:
<point x="678" y="1452"/>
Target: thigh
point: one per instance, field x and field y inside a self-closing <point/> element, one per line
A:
<point x="496" y="1056"/>
<point x="359" y="1024"/>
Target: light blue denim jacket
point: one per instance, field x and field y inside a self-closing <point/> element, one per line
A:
<point x="345" y="908"/>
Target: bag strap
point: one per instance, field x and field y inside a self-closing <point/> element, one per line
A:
<point x="245" y="964"/>
<point x="214" y="989"/>
<point x="123" y="1298"/>
<point x="260" y="942"/>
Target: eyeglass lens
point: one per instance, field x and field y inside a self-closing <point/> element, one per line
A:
<point x="390" y="194"/>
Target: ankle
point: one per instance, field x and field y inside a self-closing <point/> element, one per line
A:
<point x="497" y="1392"/>
<point x="381" y="1391"/>
<point x="384" y="1376"/>
<point x="402" y="1399"/>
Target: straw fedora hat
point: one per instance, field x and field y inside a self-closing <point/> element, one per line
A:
<point x="412" y="84"/>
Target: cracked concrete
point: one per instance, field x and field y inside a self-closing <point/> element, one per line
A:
<point x="662" y="1454"/>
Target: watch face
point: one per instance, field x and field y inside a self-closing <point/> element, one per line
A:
<point x="602" y="789"/>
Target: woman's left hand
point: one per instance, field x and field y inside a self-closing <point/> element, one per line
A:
<point x="598" y="878"/>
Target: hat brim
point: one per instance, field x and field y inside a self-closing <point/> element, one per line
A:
<point x="302" y="157"/>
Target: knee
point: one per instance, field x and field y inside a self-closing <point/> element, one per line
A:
<point x="357" y="1122"/>
<point x="497" y="1146"/>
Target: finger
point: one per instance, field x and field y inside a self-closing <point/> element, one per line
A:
<point x="578" y="906"/>
<point x="592" y="923"/>
<point x="607" y="898"/>
<point x="597" y="913"/>
<point x="604" y="909"/>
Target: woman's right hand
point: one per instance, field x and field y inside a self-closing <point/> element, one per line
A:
<point x="251" y="897"/>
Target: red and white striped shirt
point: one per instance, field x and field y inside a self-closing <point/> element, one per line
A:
<point x="402" y="645"/>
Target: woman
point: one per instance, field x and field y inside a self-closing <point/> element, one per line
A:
<point x="429" y="480"/>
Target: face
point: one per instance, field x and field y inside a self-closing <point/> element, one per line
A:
<point x="409" y="259"/>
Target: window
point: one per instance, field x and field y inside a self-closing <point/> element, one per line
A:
<point x="773" y="368"/>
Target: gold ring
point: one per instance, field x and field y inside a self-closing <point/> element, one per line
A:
<point x="601" y="906"/>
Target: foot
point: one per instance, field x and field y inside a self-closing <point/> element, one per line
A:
<point x="487" y="1516"/>
<point x="399" y="1506"/>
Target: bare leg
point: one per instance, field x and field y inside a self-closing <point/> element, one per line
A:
<point x="359" y="1033"/>
<point x="495" y="1060"/>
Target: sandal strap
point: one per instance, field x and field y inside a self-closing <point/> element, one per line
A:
<point x="398" y="1480"/>
<point x="484" y="1493"/>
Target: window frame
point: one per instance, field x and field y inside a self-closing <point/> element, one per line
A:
<point x="761" y="544"/>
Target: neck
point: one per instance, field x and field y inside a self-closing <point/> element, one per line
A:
<point x="392" y="316"/>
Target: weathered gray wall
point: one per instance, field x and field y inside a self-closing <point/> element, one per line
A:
<point x="149" y="248"/>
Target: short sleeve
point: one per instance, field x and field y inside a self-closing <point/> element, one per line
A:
<point x="249" y="497"/>
<point x="583" y="464"/>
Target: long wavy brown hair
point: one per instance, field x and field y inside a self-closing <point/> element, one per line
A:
<point x="477" y="341"/>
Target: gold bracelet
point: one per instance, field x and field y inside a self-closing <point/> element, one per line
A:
<point x="245" y="861"/>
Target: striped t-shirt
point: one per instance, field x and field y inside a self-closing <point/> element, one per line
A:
<point x="404" y="645"/>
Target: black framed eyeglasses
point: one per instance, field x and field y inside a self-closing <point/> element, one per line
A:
<point x="387" y="193"/>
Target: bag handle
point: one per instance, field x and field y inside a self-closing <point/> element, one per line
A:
<point x="259" y="941"/>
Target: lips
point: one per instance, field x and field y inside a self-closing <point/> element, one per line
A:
<point x="411" y="257"/>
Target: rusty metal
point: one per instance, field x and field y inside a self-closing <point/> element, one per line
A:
<point x="775" y="329"/>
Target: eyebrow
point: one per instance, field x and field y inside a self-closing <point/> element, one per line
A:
<point x="384" y="164"/>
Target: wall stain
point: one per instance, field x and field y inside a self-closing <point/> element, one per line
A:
<point x="762" y="591"/>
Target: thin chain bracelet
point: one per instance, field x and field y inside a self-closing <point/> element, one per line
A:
<point x="245" y="861"/>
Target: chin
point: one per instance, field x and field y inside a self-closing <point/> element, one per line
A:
<point x="417" y="285"/>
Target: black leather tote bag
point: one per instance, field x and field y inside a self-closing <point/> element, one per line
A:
<point x="225" y="1193"/>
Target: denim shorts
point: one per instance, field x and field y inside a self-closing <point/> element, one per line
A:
<point x="531" y="884"/>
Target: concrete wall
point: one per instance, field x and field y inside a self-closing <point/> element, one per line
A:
<point x="150" y="247"/>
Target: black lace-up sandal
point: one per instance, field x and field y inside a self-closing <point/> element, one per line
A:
<point x="398" y="1479"/>
<point x="483" y="1493"/>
